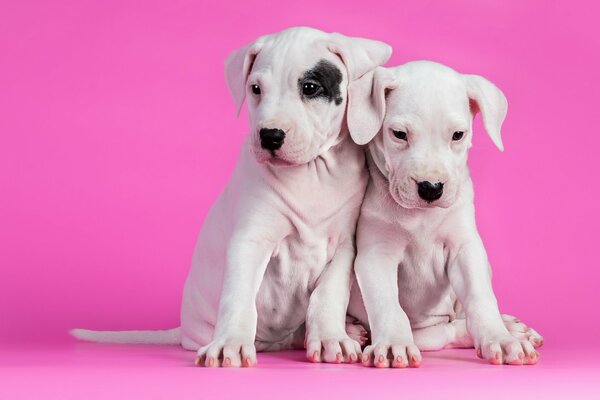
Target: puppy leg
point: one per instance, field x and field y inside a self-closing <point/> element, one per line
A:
<point x="356" y="330"/>
<point x="470" y="278"/>
<point x="235" y="330"/>
<point x="446" y="335"/>
<point x="455" y="335"/>
<point x="392" y="341"/>
<point x="326" y="336"/>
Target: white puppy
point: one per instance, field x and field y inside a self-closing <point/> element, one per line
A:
<point x="417" y="242"/>
<point x="273" y="263"/>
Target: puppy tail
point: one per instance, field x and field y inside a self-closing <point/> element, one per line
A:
<point x="168" y="336"/>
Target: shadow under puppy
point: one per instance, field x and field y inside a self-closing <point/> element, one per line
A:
<point x="273" y="263"/>
<point x="420" y="258"/>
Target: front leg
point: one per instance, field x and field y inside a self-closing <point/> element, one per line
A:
<point x="470" y="277"/>
<point x="326" y="337"/>
<point x="392" y="341"/>
<point x="235" y="329"/>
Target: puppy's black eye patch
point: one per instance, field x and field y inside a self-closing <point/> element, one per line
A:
<point x="321" y="82"/>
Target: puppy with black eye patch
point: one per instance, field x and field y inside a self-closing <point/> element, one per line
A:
<point x="272" y="268"/>
<point x="420" y="260"/>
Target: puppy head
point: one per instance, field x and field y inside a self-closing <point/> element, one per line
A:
<point x="423" y="112"/>
<point x="295" y="83"/>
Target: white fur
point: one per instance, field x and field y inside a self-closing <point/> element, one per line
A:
<point x="273" y="263"/>
<point x="416" y="259"/>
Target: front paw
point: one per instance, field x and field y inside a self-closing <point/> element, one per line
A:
<point x="395" y="354"/>
<point x="227" y="353"/>
<point x="506" y="349"/>
<point x="332" y="349"/>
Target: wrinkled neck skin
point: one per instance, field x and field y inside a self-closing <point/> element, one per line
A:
<point x="319" y="189"/>
<point x="389" y="210"/>
<point x="331" y="156"/>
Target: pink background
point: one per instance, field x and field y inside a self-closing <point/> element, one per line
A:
<point x="117" y="134"/>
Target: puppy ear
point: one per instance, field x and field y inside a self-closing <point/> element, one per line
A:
<point x="237" y="68"/>
<point x="487" y="98"/>
<point x="366" y="104"/>
<point x="359" y="55"/>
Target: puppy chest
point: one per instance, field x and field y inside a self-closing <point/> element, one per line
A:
<point x="422" y="280"/>
<point x="289" y="279"/>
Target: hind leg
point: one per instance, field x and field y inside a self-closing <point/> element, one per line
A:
<point x="441" y="336"/>
<point x="356" y="330"/>
<point x="521" y="331"/>
<point x="455" y="335"/>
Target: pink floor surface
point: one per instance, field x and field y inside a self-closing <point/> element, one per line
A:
<point x="95" y="371"/>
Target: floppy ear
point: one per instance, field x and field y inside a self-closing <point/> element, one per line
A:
<point x="366" y="104"/>
<point x="237" y="68"/>
<point x="359" y="55"/>
<point x="484" y="96"/>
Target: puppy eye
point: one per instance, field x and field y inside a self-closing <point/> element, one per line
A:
<point x="400" y="134"/>
<point x="255" y="89"/>
<point x="458" y="135"/>
<point x="309" y="88"/>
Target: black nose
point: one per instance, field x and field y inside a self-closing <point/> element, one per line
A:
<point x="271" y="139"/>
<point x="430" y="191"/>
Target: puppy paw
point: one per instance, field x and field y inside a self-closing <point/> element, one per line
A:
<point x="356" y="331"/>
<point x="506" y="349"/>
<point x="521" y="331"/>
<point x="392" y="354"/>
<point x="332" y="349"/>
<point x="227" y="353"/>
